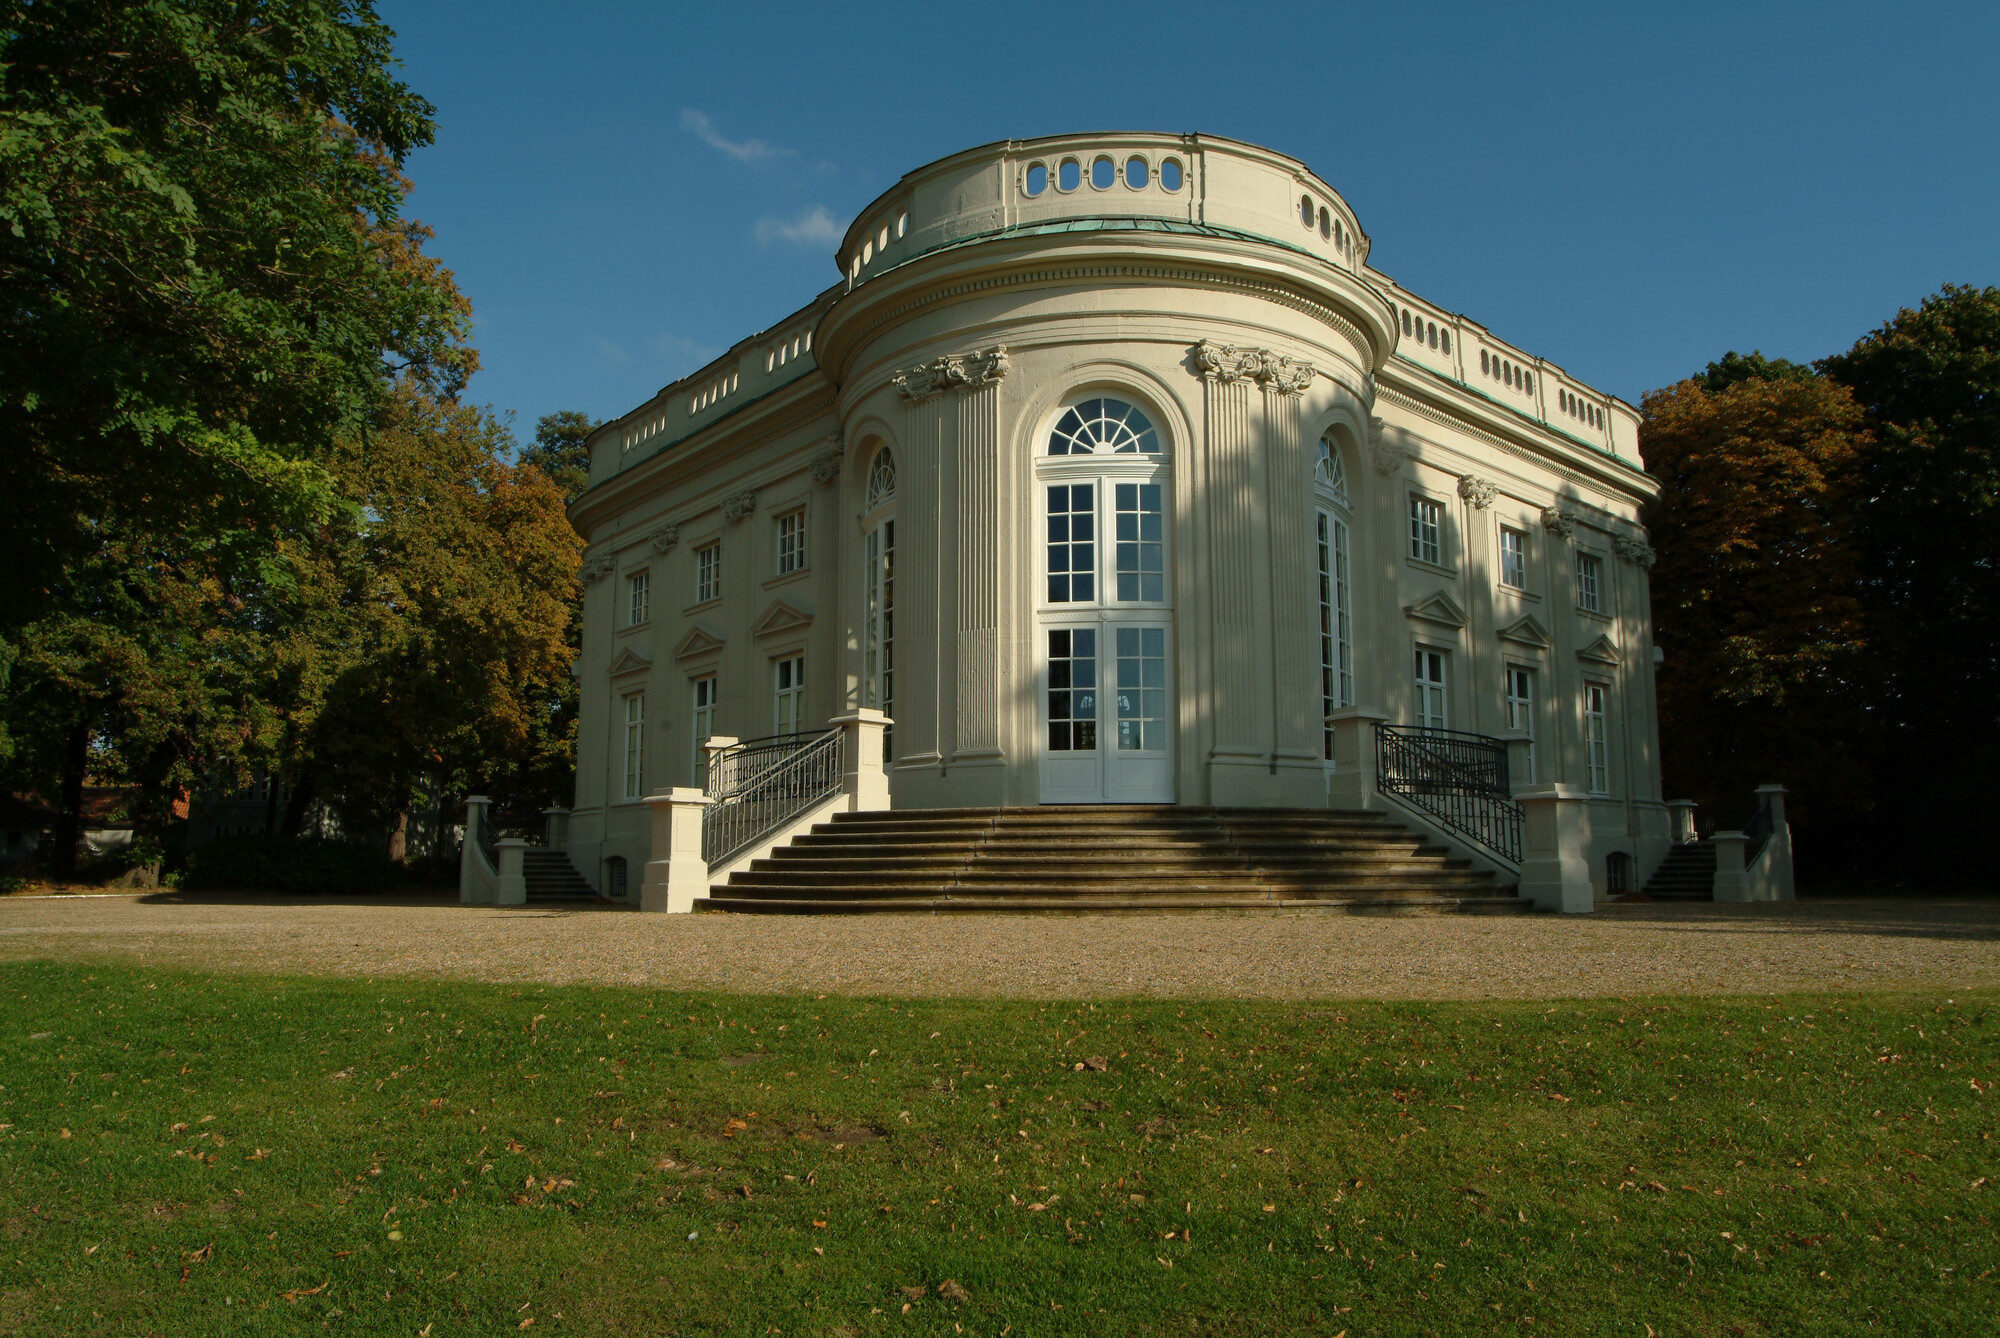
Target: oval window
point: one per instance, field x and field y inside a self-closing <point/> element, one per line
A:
<point x="1325" y="223"/>
<point x="868" y="250"/>
<point x="902" y="223"/>
<point x="1069" y="175"/>
<point x="1170" y="173"/>
<point x="1137" y="174"/>
<point x="1038" y="179"/>
<point x="1102" y="173"/>
<point x="1306" y="210"/>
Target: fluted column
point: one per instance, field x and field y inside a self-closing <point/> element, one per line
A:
<point x="979" y="559"/>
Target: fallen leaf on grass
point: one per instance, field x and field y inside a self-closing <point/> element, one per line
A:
<point x="953" y="1293"/>
<point x="917" y="1293"/>
<point x="294" y="1295"/>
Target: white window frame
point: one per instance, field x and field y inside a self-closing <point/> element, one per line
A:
<point x="1589" y="569"/>
<point x="1426" y="530"/>
<point x="639" y="597"/>
<point x="1597" y="739"/>
<point x="708" y="572"/>
<point x="1520" y="553"/>
<point x="791" y="536"/>
<point x="705" y="694"/>
<point x="1520" y="699"/>
<point x="1333" y="538"/>
<point x="1431" y="678"/>
<point x="788" y="693"/>
<point x="635" y="745"/>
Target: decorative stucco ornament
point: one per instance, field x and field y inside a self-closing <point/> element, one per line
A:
<point x="1480" y="492"/>
<point x="1558" y="522"/>
<point x="738" y="505"/>
<point x="1227" y="363"/>
<point x="1635" y="551"/>
<point x="597" y="568"/>
<point x="664" y="537"/>
<point x="1388" y="456"/>
<point x="826" y="467"/>
<point x="959" y="371"/>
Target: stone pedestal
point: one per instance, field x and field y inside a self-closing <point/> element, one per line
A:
<point x="1730" y="883"/>
<point x="1520" y="760"/>
<point x="677" y="874"/>
<point x="513" y="889"/>
<point x="1352" y="784"/>
<point x="717" y="743"/>
<point x="556" y="827"/>
<point x="1777" y="879"/>
<point x="861" y="774"/>
<point x="1555" y="872"/>
<point x="1680" y="822"/>
<point x="470" y="885"/>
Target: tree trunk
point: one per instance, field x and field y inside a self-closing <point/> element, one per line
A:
<point x="305" y="786"/>
<point x="399" y="835"/>
<point x="69" y="813"/>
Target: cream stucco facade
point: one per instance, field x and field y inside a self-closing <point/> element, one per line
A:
<point x="1134" y="409"/>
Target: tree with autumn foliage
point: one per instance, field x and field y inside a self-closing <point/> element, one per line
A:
<point x="1755" y="595"/>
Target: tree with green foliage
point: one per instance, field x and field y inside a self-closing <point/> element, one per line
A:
<point x="562" y="450"/>
<point x="1928" y="536"/>
<point x="1754" y="594"/>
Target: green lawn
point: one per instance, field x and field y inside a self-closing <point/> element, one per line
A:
<point x="192" y="1154"/>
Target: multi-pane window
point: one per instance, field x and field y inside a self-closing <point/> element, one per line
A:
<point x="1142" y="688"/>
<point x="1426" y="526"/>
<point x="704" y="725"/>
<point x="635" y="745"/>
<point x="788" y="694"/>
<point x="1431" y="709"/>
<point x="1336" y="622"/>
<point x="1141" y="550"/>
<point x="1072" y="689"/>
<point x="1589" y="582"/>
<point x="638" y="594"/>
<point x="1513" y="558"/>
<point x="1596" y="750"/>
<point x="707" y="573"/>
<point x="1072" y="543"/>
<point x="1104" y="427"/>
<point x="878" y="618"/>
<point x="791" y="542"/>
<point x="1521" y="713"/>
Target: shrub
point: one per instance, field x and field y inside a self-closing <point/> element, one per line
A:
<point x="286" y="864"/>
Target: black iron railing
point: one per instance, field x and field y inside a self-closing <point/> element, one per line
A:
<point x="488" y="839"/>
<point x="732" y="768"/>
<point x="781" y="788"/>
<point x="1458" y="779"/>
<point x="1757" y="831"/>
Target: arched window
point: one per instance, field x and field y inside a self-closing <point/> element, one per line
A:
<point x="1333" y="519"/>
<point x="1104" y="426"/>
<point x="1330" y="472"/>
<point x="881" y="479"/>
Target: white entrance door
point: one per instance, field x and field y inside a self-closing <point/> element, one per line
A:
<point x="1107" y="727"/>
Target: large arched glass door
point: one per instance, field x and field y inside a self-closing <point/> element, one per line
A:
<point x="1106" y="608"/>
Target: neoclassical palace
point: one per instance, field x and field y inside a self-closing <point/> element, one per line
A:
<point x="1111" y="473"/>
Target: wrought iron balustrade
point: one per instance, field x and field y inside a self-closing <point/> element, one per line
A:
<point x="732" y="768"/>
<point x="781" y="785"/>
<point x="1757" y="831"/>
<point x="1458" y="779"/>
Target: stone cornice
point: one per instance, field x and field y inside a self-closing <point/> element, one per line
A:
<point x="1615" y="474"/>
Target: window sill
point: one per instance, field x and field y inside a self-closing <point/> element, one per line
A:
<point x="703" y="607"/>
<point x="1515" y="591"/>
<point x="635" y="627"/>
<point x="789" y="578"/>
<point x="1435" y="568"/>
<point x="1595" y="615"/>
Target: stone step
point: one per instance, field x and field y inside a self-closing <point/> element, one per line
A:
<point x="821" y="889"/>
<point x="945" y="903"/>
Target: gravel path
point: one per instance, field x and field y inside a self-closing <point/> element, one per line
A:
<point x="1635" y="949"/>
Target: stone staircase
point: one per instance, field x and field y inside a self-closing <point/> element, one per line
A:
<point x="551" y="877"/>
<point x="1687" y="874"/>
<point x="1111" y="858"/>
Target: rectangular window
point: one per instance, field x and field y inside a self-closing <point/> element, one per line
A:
<point x="1426" y="520"/>
<point x="1513" y="558"/>
<point x="789" y="694"/>
<point x="1336" y="624"/>
<point x="1589" y="580"/>
<point x="878" y="619"/>
<point x="791" y="543"/>
<point x="707" y="573"/>
<point x="704" y="726"/>
<point x="1595" y="748"/>
<point x="638" y="595"/>
<point x="635" y="745"/>
<point x="1072" y="689"/>
<point x="1073" y="543"/>
<point x="1141" y="551"/>
<point x="1521" y="713"/>
<point x="1142" y="689"/>
<point x="1431" y="712"/>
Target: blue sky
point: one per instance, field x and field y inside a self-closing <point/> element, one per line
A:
<point x="625" y="190"/>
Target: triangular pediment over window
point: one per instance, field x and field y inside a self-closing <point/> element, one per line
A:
<point x="698" y="641"/>
<point x="1601" y="651"/>
<point x="1525" y="631"/>
<point x="628" y="661"/>
<point x="781" y="617"/>
<point x="1437" y="607"/>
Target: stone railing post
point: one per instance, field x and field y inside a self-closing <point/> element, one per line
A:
<point x="1680" y="820"/>
<point x="861" y="773"/>
<point x="1520" y="759"/>
<point x="468" y="854"/>
<point x="1555" y="871"/>
<point x="1730" y="884"/>
<point x="1352" y="784"/>
<point x="677" y="874"/>
<point x="715" y="744"/>
<point x="513" y="876"/>
<point x="1778" y="853"/>
<point x="556" y="827"/>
